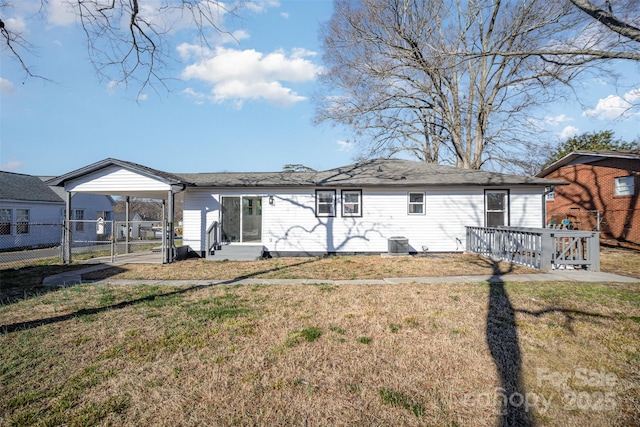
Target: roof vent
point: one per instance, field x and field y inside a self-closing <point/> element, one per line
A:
<point x="398" y="245"/>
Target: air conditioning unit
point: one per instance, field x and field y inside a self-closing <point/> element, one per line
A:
<point x="398" y="245"/>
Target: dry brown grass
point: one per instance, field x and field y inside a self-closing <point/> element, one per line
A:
<point x="620" y="261"/>
<point x="327" y="268"/>
<point x="411" y="354"/>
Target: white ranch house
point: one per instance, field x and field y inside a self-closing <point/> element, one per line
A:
<point x="353" y="209"/>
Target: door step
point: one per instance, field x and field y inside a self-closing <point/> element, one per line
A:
<point x="237" y="253"/>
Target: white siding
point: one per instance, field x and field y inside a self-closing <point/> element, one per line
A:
<point x="290" y="224"/>
<point x="115" y="180"/>
<point x="45" y="221"/>
<point x="526" y="207"/>
<point x="201" y="209"/>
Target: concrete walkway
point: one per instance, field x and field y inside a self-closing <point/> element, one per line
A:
<point x="75" y="277"/>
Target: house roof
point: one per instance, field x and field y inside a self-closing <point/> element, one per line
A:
<point x="379" y="173"/>
<point x="16" y="186"/>
<point x="589" y="156"/>
<point x="370" y="173"/>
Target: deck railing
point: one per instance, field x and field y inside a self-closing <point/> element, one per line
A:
<point x="541" y="248"/>
<point x="214" y="238"/>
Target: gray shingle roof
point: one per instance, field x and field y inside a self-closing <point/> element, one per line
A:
<point x="15" y="186"/>
<point x="378" y="173"/>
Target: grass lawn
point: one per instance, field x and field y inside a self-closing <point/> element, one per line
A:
<point x="410" y="354"/>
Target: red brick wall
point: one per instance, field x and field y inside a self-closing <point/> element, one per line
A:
<point x="592" y="188"/>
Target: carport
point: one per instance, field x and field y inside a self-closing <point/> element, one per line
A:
<point x="114" y="177"/>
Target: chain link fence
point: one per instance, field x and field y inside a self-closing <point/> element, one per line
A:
<point x="575" y="219"/>
<point x="616" y="226"/>
<point x="23" y="244"/>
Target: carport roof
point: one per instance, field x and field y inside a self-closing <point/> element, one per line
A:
<point x="161" y="176"/>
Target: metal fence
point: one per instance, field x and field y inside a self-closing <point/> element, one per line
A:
<point x="575" y="219"/>
<point x="540" y="248"/>
<point x="614" y="225"/>
<point x="27" y="243"/>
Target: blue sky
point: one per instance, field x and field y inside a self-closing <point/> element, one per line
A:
<point x="243" y="105"/>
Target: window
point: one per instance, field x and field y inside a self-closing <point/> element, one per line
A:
<point x="325" y="202"/>
<point x="496" y="208"/>
<point x="550" y="195"/>
<point x="352" y="203"/>
<point x="416" y="204"/>
<point x="78" y="216"/>
<point x="22" y="221"/>
<point x="624" y="186"/>
<point x="5" y="222"/>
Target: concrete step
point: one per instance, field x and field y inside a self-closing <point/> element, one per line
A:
<point x="237" y="253"/>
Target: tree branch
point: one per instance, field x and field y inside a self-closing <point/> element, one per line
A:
<point x="608" y="19"/>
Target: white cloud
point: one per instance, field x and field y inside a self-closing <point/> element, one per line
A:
<point x="112" y="85"/>
<point x="568" y="132"/>
<point x="260" y="6"/>
<point x="344" y="145"/>
<point x="285" y="15"/>
<point x="613" y="106"/>
<point x="633" y="95"/>
<point x="557" y="120"/>
<point x="16" y="25"/>
<point x="199" y="97"/>
<point x="60" y="12"/>
<point x="142" y="97"/>
<point x="6" y="86"/>
<point x="11" y="166"/>
<point x="240" y="75"/>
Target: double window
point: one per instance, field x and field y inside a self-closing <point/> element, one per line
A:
<point x="496" y="206"/>
<point x="624" y="186"/>
<point x="326" y="202"/>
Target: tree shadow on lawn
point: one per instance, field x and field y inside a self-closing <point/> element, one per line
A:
<point x="503" y="342"/>
<point x="23" y="282"/>
<point x="5" y="329"/>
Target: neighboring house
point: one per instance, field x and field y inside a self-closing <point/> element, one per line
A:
<point x="140" y="227"/>
<point x="30" y="212"/>
<point x="352" y="209"/>
<point x="603" y="186"/>
<point x="89" y="212"/>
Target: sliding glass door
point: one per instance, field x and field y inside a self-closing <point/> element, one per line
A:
<point x="241" y="219"/>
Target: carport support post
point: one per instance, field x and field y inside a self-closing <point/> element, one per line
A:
<point x="66" y="253"/>
<point x="126" y="224"/>
<point x="170" y="242"/>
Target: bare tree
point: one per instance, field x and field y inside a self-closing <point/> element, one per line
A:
<point x="609" y="18"/>
<point x="126" y="39"/>
<point x="452" y="81"/>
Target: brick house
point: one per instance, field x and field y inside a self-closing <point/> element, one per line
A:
<point x="603" y="187"/>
